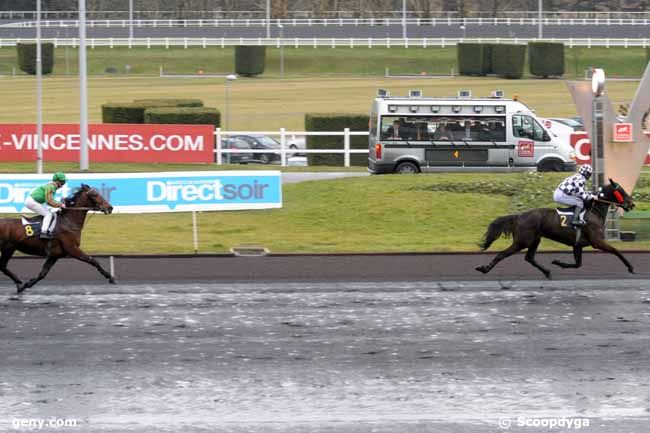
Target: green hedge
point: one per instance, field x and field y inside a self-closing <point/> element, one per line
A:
<point x="27" y="57"/>
<point x="170" y="102"/>
<point x="487" y="58"/>
<point x="508" y="60"/>
<point x="123" y="112"/>
<point x="336" y="122"/>
<point x="470" y="59"/>
<point x="250" y="61"/>
<point x="133" y="112"/>
<point x="546" y="59"/>
<point x="183" y="115"/>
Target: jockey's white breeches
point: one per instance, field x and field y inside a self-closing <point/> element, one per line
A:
<point x="569" y="200"/>
<point x="38" y="208"/>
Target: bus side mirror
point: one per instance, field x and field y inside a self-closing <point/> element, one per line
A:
<point x="546" y="137"/>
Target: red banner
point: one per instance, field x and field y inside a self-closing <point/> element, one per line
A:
<point x="582" y="147"/>
<point x="117" y="142"/>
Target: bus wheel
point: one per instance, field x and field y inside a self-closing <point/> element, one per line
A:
<point x="406" y="168"/>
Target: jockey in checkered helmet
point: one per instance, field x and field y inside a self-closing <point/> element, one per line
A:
<point x="586" y="171"/>
<point x="572" y="192"/>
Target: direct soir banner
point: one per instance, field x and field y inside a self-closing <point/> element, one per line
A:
<point x="117" y="142"/>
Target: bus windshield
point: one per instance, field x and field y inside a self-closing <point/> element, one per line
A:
<point x="435" y="128"/>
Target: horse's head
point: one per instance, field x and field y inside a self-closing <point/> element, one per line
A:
<point x="88" y="197"/>
<point x="617" y="195"/>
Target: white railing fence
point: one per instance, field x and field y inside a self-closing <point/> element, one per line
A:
<point x="642" y="20"/>
<point x="323" y="42"/>
<point x="284" y="149"/>
<point x="259" y="14"/>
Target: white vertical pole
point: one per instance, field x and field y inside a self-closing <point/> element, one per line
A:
<point x="39" y="92"/>
<point x="404" y="19"/>
<point x="540" y="32"/>
<point x="283" y="146"/>
<point x="83" y="89"/>
<point x="112" y="266"/>
<point x="195" y="233"/>
<point x="346" y="146"/>
<point x="219" y="147"/>
<point x="130" y="19"/>
<point x="268" y="18"/>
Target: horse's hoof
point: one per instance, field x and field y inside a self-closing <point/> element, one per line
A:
<point x="20" y="288"/>
<point x="112" y="281"/>
<point x="548" y="275"/>
<point x="482" y="269"/>
<point x="631" y="270"/>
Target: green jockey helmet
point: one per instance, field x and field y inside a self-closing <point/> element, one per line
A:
<point x="59" y="176"/>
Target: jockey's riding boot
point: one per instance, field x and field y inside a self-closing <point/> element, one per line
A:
<point x="576" y="221"/>
<point x="46" y="235"/>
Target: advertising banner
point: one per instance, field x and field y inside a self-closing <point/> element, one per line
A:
<point x="158" y="192"/>
<point x="580" y="142"/>
<point x="110" y="142"/>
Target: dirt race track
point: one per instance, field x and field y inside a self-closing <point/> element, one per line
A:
<point x="340" y="267"/>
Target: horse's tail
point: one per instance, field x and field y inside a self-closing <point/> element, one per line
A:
<point x="500" y="226"/>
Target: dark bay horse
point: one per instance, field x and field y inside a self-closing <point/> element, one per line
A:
<point x="67" y="237"/>
<point x="528" y="228"/>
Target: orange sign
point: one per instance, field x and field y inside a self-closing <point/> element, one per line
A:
<point x="623" y="132"/>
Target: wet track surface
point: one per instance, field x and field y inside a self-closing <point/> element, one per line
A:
<point x="326" y="357"/>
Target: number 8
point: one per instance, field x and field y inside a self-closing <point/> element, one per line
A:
<point x="29" y="230"/>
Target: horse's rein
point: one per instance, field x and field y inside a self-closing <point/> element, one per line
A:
<point x="609" y="202"/>
<point x="83" y="208"/>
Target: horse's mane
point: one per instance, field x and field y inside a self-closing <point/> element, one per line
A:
<point x="74" y="195"/>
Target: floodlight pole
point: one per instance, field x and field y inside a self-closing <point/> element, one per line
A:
<point x="404" y="19"/>
<point x="83" y="89"/>
<point x="130" y="19"/>
<point x="540" y="31"/>
<point x="39" y="92"/>
<point x="598" y="136"/>
<point x="268" y="19"/>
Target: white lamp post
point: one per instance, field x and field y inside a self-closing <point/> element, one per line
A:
<point x="39" y="92"/>
<point x="229" y="78"/>
<point x="83" y="89"/>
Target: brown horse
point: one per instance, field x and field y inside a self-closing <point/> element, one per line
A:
<point x="528" y="228"/>
<point x="67" y="237"/>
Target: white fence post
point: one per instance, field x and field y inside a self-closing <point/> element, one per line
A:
<point x="219" y="146"/>
<point x="283" y="147"/>
<point x="346" y="146"/>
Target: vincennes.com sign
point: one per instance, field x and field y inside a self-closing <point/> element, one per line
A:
<point x="117" y="142"/>
<point x="159" y="192"/>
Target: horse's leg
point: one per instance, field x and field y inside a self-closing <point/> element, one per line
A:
<point x="76" y="252"/>
<point x="7" y="253"/>
<point x="515" y="247"/>
<point x="530" y="258"/>
<point x="602" y="245"/>
<point x="577" y="255"/>
<point x="46" y="268"/>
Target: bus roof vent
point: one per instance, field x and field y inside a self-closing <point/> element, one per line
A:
<point x="464" y="93"/>
<point x="497" y="94"/>
<point x="415" y="93"/>
<point x="383" y="93"/>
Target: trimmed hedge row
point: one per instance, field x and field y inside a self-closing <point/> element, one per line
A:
<point x="470" y="59"/>
<point x="134" y="112"/>
<point x="507" y="60"/>
<point x="250" y="60"/>
<point x="546" y="59"/>
<point x="183" y="115"/>
<point x="321" y="122"/>
<point x="27" y="57"/>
